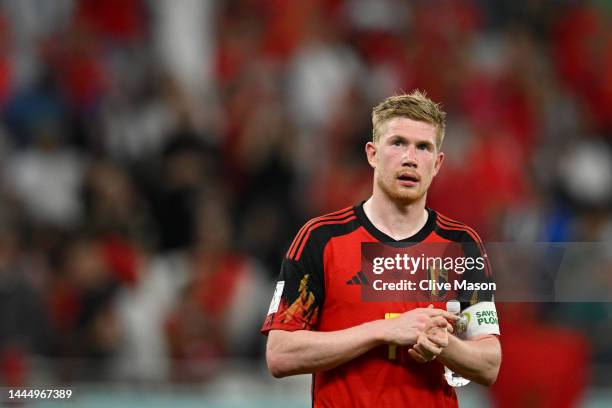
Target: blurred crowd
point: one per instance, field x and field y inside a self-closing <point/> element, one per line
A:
<point x="156" y="157"/>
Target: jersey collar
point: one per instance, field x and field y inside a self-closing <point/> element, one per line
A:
<point x="382" y="237"/>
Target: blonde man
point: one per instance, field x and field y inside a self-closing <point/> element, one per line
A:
<point x="318" y="322"/>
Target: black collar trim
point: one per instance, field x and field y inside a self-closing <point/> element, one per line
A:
<point x="382" y="237"/>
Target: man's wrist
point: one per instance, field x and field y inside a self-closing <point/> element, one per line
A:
<point x="377" y="329"/>
<point x="452" y="343"/>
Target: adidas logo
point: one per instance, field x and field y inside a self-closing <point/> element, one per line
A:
<point x="358" y="279"/>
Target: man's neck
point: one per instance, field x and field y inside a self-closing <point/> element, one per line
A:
<point x="399" y="221"/>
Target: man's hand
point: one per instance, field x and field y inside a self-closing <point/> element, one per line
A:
<point x="477" y="359"/>
<point x="412" y="326"/>
<point x="432" y="341"/>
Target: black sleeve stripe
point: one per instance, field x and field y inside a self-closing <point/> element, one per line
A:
<point x="347" y="218"/>
<point x="298" y="238"/>
<point x="450" y="222"/>
<point x="462" y="228"/>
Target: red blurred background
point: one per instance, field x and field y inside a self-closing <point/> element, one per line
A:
<point x="156" y="158"/>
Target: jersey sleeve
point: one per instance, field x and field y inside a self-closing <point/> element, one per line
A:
<point x="299" y="293"/>
<point x="478" y="278"/>
<point x="477" y="301"/>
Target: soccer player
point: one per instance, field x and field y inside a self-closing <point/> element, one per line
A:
<point x="318" y="323"/>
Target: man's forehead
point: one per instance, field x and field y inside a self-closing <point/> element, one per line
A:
<point x="401" y="126"/>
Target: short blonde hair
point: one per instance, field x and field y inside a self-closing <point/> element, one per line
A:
<point x="416" y="106"/>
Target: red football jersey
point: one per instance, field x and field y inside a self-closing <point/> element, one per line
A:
<point x="321" y="291"/>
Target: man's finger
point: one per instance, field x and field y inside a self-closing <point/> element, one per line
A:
<point x="449" y="316"/>
<point x="438" y="321"/>
<point x="438" y="338"/>
<point x="428" y="356"/>
<point x="416" y="356"/>
<point x="431" y="312"/>
<point x="426" y="345"/>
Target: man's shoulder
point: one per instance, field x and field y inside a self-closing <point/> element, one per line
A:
<point x="454" y="230"/>
<point x="319" y="230"/>
<point x="339" y="215"/>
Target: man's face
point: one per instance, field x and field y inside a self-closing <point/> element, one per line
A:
<point x="405" y="159"/>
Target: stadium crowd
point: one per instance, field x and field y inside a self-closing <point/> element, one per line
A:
<point x="156" y="160"/>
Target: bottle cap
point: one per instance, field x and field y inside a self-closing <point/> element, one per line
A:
<point x="453" y="306"/>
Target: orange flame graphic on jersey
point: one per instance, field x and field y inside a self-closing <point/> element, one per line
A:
<point x="303" y="309"/>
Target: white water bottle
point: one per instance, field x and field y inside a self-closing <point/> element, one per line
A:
<point x="452" y="378"/>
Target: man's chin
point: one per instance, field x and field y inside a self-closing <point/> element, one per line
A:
<point x="404" y="197"/>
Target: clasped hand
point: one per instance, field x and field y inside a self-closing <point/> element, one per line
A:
<point x="425" y="330"/>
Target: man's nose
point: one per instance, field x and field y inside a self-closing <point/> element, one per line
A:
<point x="409" y="157"/>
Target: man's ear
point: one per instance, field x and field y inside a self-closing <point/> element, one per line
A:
<point x="370" y="150"/>
<point x="438" y="163"/>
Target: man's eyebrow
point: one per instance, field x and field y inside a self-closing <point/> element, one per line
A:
<point x="427" y="142"/>
<point x="405" y="138"/>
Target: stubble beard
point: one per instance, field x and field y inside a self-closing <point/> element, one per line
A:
<point x="397" y="194"/>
